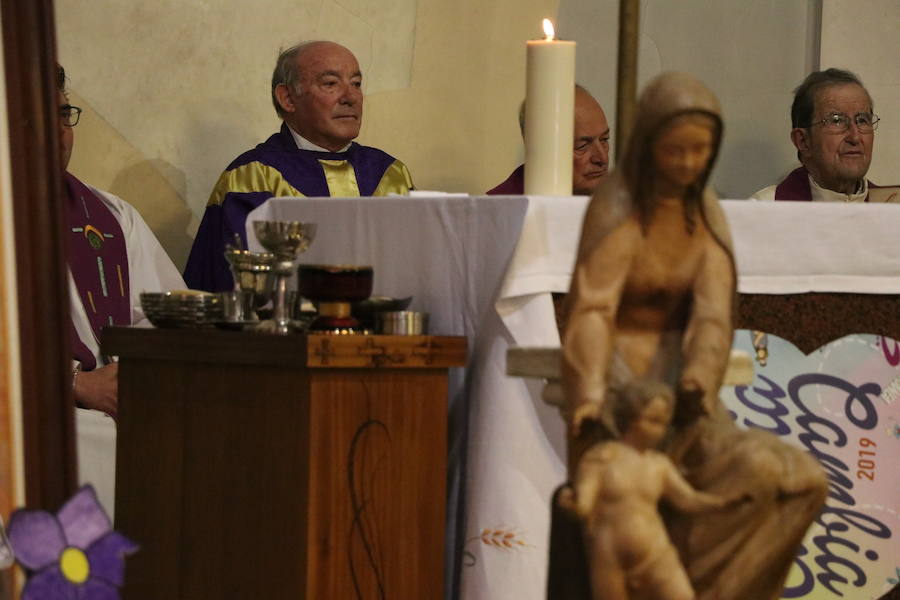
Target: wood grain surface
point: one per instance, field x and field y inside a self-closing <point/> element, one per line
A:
<point x="244" y="480"/>
<point x="809" y="321"/>
<point x="248" y="348"/>
<point x="29" y="48"/>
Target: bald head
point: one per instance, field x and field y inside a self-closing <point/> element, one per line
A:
<point x="317" y="90"/>
<point x="590" y="154"/>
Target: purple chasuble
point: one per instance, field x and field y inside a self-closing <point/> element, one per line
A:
<point x="796" y="186"/>
<point x="513" y="186"/>
<point x="206" y="267"/>
<point x="98" y="260"/>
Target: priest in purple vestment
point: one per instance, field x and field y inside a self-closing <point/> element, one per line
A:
<point x="317" y="92"/>
<point x="833" y="129"/>
<point x="590" y="153"/>
<point x="113" y="257"/>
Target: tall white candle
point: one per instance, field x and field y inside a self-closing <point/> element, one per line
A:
<point x="549" y="115"/>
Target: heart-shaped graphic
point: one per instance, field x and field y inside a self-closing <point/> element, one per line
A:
<point x="842" y="404"/>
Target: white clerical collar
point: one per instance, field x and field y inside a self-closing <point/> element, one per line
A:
<point x="820" y="194"/>
<point x="305" y="144"/>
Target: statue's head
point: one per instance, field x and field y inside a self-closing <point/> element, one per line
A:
<point x="681" y="153"/>
<point x="676" y="113"/>
<point x="643" y="412"/>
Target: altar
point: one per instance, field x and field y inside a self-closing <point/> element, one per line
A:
<point x="486" y="267"/>
<point x="266" y="466"/>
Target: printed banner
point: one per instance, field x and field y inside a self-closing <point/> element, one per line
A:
<point x="840" y="403"/>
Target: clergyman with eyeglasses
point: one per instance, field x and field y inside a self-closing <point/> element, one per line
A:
<point x="833" y="127"/>
<point x="112" y="257"/>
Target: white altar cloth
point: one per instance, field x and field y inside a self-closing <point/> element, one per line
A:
<point x="464" y="260"/>
<point x="798" y="247"/>
<point x="516" y="443"/>
<point x="448" y="252"/>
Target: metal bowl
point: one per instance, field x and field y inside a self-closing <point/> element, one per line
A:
<point x="182" y="310"/>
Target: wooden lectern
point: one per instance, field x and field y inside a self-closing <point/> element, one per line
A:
<point x="253" y="466"/>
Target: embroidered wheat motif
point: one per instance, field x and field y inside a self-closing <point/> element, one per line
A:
<point x="502" y="538"/>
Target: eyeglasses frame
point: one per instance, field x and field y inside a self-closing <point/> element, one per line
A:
<point x="847" y="120"/>
<point x="66" y="121"/>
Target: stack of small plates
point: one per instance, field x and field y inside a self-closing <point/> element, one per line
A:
<point x="183" y="310"/>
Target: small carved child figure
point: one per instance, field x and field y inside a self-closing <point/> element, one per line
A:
<point x="617" y="487"/>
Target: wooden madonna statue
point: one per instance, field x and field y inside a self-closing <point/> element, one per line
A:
<point x="652" y="299"/>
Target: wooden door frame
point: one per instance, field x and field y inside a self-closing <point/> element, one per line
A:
<point x="29" y="47"/>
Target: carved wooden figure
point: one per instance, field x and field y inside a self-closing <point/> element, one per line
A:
<point x="652" y="297"/>
<point x="615" y="493"/>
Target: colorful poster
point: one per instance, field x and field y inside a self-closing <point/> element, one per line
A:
<point x="842" y="404"/>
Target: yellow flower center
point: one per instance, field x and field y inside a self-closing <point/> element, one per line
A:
<point x="74" y="565"/>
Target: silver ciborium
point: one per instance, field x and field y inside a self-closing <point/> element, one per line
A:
<point x="285" y="240"/>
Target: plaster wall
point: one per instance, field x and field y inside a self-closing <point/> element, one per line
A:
<point x="173" y="91"/>
<point x="751" y="54"/>
<point x="863" y="37"/>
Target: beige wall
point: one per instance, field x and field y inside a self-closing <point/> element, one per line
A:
<point x="752" y="54"/>
<point x="174" y="91"/>
<point x="867" y="42"/>
<point x="106" y="159"/>
<point x="165" y="116"/>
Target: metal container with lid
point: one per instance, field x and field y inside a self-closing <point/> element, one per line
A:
<point x="402" y="322"/>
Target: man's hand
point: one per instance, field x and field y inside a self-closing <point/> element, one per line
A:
<point x="99" y="389"/>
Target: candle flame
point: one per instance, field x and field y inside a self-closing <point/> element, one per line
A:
<point x="548" y="29"/>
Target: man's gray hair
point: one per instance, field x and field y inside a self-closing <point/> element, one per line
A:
<point x="804" y="107"/>
<point x="286" y="72"/>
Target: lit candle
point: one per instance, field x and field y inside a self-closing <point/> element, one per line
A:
<point x="549" y="118"/>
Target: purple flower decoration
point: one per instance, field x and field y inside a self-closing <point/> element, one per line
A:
<point x="73" y="556"/>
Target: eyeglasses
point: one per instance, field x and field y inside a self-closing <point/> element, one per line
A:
<point x="839" y="122"/>
<point x="69" y="115"/>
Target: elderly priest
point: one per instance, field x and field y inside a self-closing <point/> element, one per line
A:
<point x="317" y="91"/>
<point x="590" y="151"/>
<point x="833" y="128"/>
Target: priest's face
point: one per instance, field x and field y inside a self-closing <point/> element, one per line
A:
<point x="326" y="109"/>
<point x="837" y="160"/>
<point x="590" y="162"/>
<point x="66" y="135"/>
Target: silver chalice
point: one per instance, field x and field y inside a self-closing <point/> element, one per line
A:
<point x="253" y="283"/>
<point x="285" y="240"/>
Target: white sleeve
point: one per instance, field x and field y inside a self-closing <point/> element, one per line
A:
<point x="765" y="194"/>
<point x="149" y="267"/>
